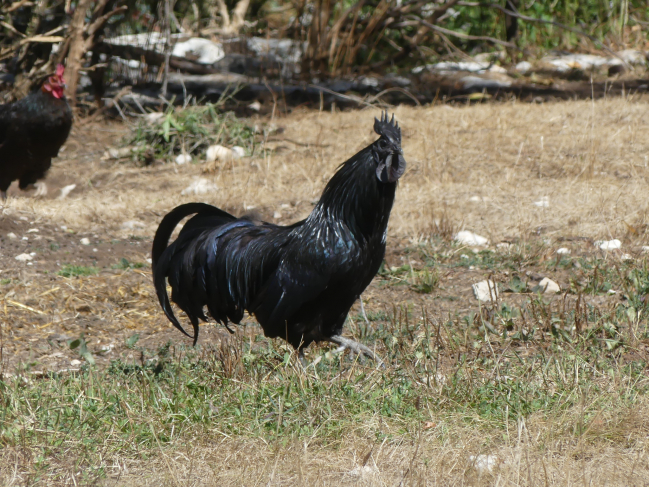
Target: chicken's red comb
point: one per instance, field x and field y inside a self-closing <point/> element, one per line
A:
<point x="60" y="69"/>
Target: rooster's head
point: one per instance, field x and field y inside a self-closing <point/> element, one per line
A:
<point x="387" y="152"/>
<point x="55" y="84"/>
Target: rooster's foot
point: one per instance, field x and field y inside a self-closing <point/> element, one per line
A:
<point x="355" y="347"/>
<point x="41" y="188"/>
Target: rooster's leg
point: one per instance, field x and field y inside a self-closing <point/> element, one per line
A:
<point x="356" y="347"/>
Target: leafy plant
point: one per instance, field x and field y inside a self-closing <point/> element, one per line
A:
<point x="188" y="130"/>
<point x="77" y="271"/>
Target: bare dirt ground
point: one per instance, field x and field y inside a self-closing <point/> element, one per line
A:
<point x="479" y="168"/>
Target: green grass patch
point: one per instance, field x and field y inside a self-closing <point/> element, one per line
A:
<point x="77" y="271"/>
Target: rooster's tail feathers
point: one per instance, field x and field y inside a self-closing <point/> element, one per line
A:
<point x="162" y="256"/>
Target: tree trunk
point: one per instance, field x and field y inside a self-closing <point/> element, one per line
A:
<point x="77" y="49"/>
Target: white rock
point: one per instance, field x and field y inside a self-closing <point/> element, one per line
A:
<point x="611" y="291"/>
<point x="66" y="190"/>
<point x="23" y="257"/>
<point x="75" y="362"/>
<point x="183" y="158"/>
<point x="609" y="244"/>
<point x="85" y="241"/>
<point x="626" y="257"/>
<point x="255" y="106"/>
<point x="132" y="225"/>
<point x="277" y="215"/>
<point x="523" y="67"/>
<point x="218" y="153"/>
<point x="485" y="291"/>
<point x="115" y="153"/>
<point x="149" y="260"/>
<point x="645" y="248"/>
<point x="484" y="462"/>
<point x="549" y="286"/>
<point x="200" y="186"/>
<point x="153" y="117"/>
<point x="364" y="470"/>
<point x="13" y="236"/>
<point x="469" y="238"/>
<point x="238" y="152"/>
<point x="32" y="230"/>
<point x="563" y="250"/>
<point x="544" y="202"/>
<point x="25" y="238"/>
<point x="206" y="51"/>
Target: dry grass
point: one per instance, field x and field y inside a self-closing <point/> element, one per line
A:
<point x="588" y="159"/>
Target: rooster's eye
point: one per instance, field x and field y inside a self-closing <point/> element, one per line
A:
<point x="383" y="144"/>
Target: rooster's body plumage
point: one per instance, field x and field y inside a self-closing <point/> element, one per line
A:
<point x="298" y="281"/>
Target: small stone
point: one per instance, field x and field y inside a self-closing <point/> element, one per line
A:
<point x="626" y="257"/>
<point x="277" y="215"/>
<point x="238" y="152"/>
<point x="484" y="462"/>
<point x="153" y="117"/>
<point x="645" y="248"/>
<point x="200" y="186"/>
<point x="183" y="158"/>
<point x="114" y="153"/>
<point x="218" y="153"/>
<point x="25" y="239"/>
<point x="23" y="257"/>
<point x="469" y="238"/>
<point x="255" y="106"/>
<point x="32" y="230"/>
<point x="549" y="286"/>
<point x="132" y="225"/>
<point x="544" y="202"/>
<point x="609" y="244"/>
<point x="523" y="67"/>
<point x="485" y="291"/>
<point x="563" y="250"/>
<point x="85" y="241"/>
<point x="12" y="236"/>
<point x="94" y="250"/>
<point x="611" y="291"/>
<point x="75" y="362"/>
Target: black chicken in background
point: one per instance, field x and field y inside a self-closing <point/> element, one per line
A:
<point x="299" y="281"/>
<point x="32" y="130"/>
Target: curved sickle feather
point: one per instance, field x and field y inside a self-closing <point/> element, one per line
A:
<point x="160" y="243"/>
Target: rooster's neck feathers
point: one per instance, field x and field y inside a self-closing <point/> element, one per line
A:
<point x="355" y="198"/>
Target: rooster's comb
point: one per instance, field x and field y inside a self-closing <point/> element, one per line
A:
<point x="387" y="127"/>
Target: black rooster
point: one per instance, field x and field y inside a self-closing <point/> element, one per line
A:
<point x="299" y="281"/>
<point x="32" y="130"/>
